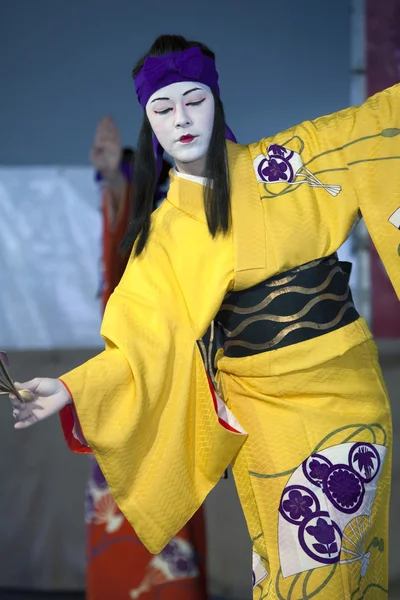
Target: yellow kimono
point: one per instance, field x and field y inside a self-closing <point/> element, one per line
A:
<point x="311" y="456"/>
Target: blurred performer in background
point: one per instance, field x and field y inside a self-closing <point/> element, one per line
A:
<point x="119" y="566"/>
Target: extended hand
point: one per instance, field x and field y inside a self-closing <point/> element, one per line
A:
<point x="106" y="151"/>
<point x="44" y="397"/>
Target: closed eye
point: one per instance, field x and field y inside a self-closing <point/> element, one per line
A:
<point x="162" y="112"/>
<point x="195" y="103"/>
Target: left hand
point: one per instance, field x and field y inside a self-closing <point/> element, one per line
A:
<point x="44" y="397"/>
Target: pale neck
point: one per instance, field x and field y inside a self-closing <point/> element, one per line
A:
<point x="194" y="178"/>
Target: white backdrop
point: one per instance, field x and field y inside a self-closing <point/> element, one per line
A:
<point x="50" y="237"/>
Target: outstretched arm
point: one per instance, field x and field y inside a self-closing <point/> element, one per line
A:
<point x="370" y="137"/>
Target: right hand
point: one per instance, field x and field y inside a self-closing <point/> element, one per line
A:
<point x="107" y="149"/>
<point x="47" y="397"/>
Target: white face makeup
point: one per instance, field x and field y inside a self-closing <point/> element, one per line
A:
<point x="182" y="117"/>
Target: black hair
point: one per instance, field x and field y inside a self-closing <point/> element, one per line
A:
<point x="128" y="154"/>
<point x="216" y="190"/>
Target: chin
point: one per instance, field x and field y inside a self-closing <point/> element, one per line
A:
<point x="190" y="155"/>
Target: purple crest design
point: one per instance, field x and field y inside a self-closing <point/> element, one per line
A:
<point x="316" y="468"/>
<point x="344" y="488"/>
<point x="320" y="538"/>
<point x="298" y="503"/>
<point x="365" y="460"/>
<point x="282" y="165"/>
<point x="327" y="491"/>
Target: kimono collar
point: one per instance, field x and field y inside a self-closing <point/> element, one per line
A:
<point x="186" y="191"/>
<point x="187" y="195"/>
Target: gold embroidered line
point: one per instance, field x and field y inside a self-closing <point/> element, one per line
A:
<point x="281" y="281"/>
<point x="287" y="318"/>
<point x="282" y="334"/>
<point x="274" y="282"/>
<point x="285" y="290"/>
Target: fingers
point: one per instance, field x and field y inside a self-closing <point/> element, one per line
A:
<point x="26" y="423"/>
<point x="16" y="402"/>
<point x="30" y="385"/>
<point x="109" y="120"/>
<point x="107" y="134"/>
<point x="24" y="417"/>
<point x="26" y="395"/>
<point x="107" y="123"/>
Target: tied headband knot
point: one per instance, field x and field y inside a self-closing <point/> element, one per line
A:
<point x="188" y="64"/>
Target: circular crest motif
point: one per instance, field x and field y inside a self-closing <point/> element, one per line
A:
<point x="344" y="488"/>
<point x="316" y="467"/>
<point x="275" y="169"/>
<point x="321" y="538"/>
<point x="298" y="503"/>
<point x="365" y="461"/>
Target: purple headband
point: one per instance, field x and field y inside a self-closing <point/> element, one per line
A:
<point x="160" y="71"/>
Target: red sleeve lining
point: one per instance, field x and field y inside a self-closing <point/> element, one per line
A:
<point x="68" y="419"/>
<point x="224" y="424"/>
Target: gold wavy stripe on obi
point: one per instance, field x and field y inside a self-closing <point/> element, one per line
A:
<point x="282" y="334"/>
<point x="287" y="318"/>
<point x="281" y="281"/>
<point x="289" y="278"/>
<point x="286" y="290"/>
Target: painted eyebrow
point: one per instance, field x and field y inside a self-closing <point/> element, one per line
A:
<point x="185" y="94"/>
<point x="156" y="99"/>
<point x="192" y="90"/>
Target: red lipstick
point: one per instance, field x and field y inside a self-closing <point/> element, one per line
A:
<point x="186" y="139"/>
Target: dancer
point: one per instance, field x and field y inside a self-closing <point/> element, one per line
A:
<point x="247" y="237"/>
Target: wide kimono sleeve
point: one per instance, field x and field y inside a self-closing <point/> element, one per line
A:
<point x="370" y="141"/>
<point x="145" y="405"/>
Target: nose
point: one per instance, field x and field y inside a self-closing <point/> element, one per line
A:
<point x="182" y="118"/>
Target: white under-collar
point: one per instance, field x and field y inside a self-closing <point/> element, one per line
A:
<point x="194" y="178"/>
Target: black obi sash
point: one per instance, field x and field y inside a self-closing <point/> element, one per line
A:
<point x="295" y="306"/>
